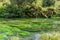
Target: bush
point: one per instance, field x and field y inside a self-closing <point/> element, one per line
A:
<point x="34" y="12"/>
<point x="58" y="12"/>
<point x="31" y="11"/>
<point x="47" y="3"/>
<point x="50" y="12"/>
<point x="11" y="11"/>
<point x="2" y="12"/>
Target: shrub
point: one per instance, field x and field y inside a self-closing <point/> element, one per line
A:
<point x="34" y="12"/>
<point x="47" y="3"/>
<point x="2" y="12"/>
<point x="11" y="11"/>
<point x="30" y="11"/>
<point x="50" y="12"/>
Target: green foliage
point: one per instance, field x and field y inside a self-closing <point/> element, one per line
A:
<point x="20" y="28"/>
<point x="22" y="2"/>
<point x="58" y="12"/>
<point x="47" y="3"/>
<point x="11" y="10"/>
<point x="2" y="11"/>
<point x="50" y="36"/>
<point x="41" y="25"/>
<point x="7" y="31"/>
<point x="3" y="37"/>
<point x="24" y="11"/>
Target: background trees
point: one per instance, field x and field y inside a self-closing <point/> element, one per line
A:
<point x="25" y="8"/>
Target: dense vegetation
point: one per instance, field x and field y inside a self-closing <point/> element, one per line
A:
<point x="20" y="27"/>
<point x="47" y="3"/>
<point x="23" y="17"/>
<point x="27" y="10"/>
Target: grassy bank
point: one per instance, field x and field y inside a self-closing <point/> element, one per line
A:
<point x="24" y="26"/>
<point x="32" y="24"/>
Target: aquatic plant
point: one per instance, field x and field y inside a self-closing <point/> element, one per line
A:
<point x="50" y="36"/>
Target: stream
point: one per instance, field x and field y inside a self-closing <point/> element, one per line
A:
<point x="33" y="36"/>
<point x="37" y="36"/>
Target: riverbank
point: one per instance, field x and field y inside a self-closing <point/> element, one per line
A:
<point x="32" y="24"/>
<point x="23" y="28"/>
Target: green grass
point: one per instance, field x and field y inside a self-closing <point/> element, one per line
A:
<point x="24" y="26"/>
<point x="32" y="24"/>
